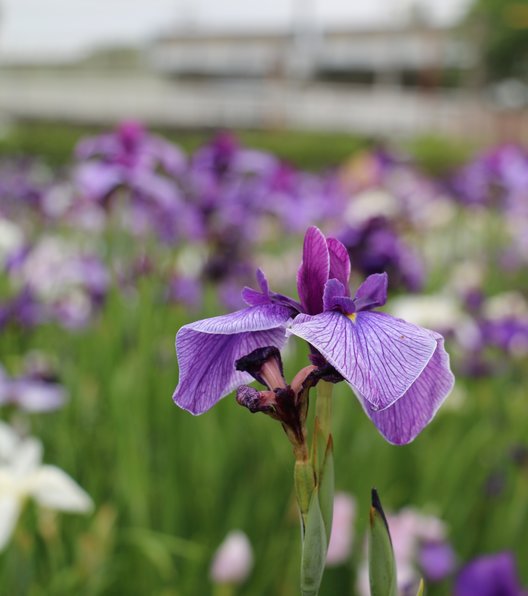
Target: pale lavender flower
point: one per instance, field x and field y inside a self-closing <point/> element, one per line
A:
<point x="55" y="281"/>
<point x="233" y="561"/>
<point x="342" y="536"/>
<point x="36" y="390"/>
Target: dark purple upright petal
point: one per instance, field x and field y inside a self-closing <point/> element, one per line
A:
<point x="339" y="263"/>
<point x="335" y="298"/>
<point x="492" y="575"/>
<point x="313" y="272"/>
<point x="207" y="351"/>
<point x="378" y="355"/>
<point x="333" y="289"/>
<point x="401" y="422"/>
<point x="372" y="292"/>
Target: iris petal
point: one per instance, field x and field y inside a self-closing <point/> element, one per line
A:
<point x="339" y="262"/>
<point x="313" y="272"/>
<point x="378" y="355"/>
<point x="207" y="351"/>
<point x="372" y="292"/>
<point x="405" y="419"/>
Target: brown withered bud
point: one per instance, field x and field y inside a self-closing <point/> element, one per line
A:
<point x="326" y="371"/>
<point x="264" y="365"/>
<point x="255" y="400"/>
<point x="286" y="403"/>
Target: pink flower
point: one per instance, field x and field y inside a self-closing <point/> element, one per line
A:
<point x="342" y="535"/>
<point x="233" y="560"/>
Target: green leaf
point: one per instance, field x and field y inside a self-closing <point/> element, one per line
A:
<point x="326" y="488"/>
<point x="314" y="549"/>
<point x="382" y="566"/>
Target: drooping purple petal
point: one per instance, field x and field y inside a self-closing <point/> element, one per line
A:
<point x="378" y="355"/>
<point x="207" y="351"/>
<point x="339" y="263"/>
<point x="372" y="292"/>
<point x="401" y="422"/>
<point x="492" y="575"/>
<point x="313" y="272"/>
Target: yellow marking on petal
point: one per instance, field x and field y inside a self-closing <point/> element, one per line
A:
<point x="352" y="317"/>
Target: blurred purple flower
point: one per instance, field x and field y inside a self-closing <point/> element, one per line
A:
<point x="375" y="247"/>
<point x="133" y="147"/>
<point x="184" y="290"/>
<point x="436" y="559"/>
<point x="490" y="575"/>
<point x="143" y="165"/>
<point x="31" y="393"/>
<point x="54" y="280"/>
<point x="400" y="372"/>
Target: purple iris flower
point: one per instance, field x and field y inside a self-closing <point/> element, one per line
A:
<point x="375" y="246"/>
<point x="437" y="559"/>
<point x="399" y="371"/>
<point x="31" y="393"/>
<point x="491" y="575"/>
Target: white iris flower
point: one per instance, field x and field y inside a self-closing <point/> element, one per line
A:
<point x="23" y="476"/>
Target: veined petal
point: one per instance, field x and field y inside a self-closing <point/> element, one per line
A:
<point x="372" y="292"/>
<point x="314" y="270"/>
<point x="378" y="355"/>
<point x="336" y="298"/>
<point x="52" y="487"/>
<point x="9" y="512"/>
<point x="207" y="351"/>
<point x="401" y="422"/>
<point x="339" y="262"/>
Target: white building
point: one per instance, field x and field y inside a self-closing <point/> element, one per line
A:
<point x="359" y="55"/>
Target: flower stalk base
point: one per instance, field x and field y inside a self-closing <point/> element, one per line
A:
<point x="316" y="511"/>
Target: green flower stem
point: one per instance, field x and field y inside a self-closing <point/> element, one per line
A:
<point x="318" y="495"/>
<point x="323" y="408"/>
<point x="224" y="590"/>
<point x="304" y="480"/>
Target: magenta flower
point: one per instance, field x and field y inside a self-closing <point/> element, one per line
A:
<point x="399" y="371"/>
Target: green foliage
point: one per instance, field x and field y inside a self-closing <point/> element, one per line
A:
<point x="168" y="486"/>
<point x="382" y="566"/>
<point x="500" y="27"/>
<point x="438" y="155"/>
<point x="311" y="150"/>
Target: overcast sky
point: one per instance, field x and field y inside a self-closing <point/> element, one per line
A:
<point x="67" y="27"/>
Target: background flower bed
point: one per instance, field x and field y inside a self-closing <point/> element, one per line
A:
<point x="167" y="488"/>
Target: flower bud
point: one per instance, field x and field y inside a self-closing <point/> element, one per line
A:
<point x="233" y="560"/>
<point x="382" y="566"/>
